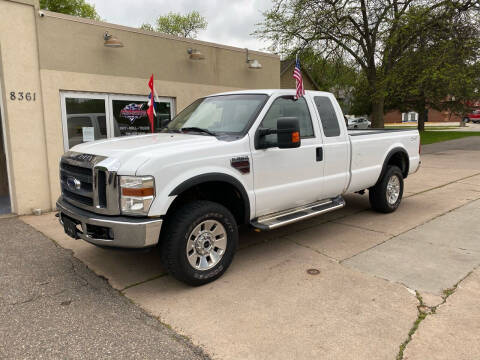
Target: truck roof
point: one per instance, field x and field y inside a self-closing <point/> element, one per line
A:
<point x="273" y="91"/>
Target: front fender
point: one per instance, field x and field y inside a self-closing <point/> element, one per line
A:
<point x="167" y="194"/>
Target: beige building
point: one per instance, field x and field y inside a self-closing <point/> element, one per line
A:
<point x="60" y="85"/>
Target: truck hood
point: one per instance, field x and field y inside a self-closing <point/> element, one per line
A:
<point x="133" y="151"/>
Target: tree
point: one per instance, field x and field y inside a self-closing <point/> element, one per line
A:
<point x="361" y="96"/>
<point x="148" y="27"/>
<point x="176" y="24"/>
<point x="374" y="34"/>
<point x="71" y="7"/>
<point x="439" y="70"/>
<point x="334" y="75"/>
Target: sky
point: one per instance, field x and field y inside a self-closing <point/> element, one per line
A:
<point x="230" y="22"/>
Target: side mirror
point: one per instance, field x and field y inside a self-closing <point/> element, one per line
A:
<point x="288" y="132"/>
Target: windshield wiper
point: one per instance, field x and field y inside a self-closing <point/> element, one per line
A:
<point x="197" y="129"/>
<point x="167" y="130"/>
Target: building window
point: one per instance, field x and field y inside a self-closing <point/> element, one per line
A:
<point x="88" y="117"/>
<point x="410" y="116"/>
<point x="85" y="120"/>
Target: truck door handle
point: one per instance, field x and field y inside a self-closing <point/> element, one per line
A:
<point x="319" y="153"/>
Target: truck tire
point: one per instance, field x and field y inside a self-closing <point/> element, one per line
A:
<point x="199" y="242"/>
<point x="387" y="194"/>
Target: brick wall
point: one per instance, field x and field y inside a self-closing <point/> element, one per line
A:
<point x="433" y="116"/>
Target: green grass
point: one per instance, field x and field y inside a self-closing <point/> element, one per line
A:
<point x="426" y="127"/>
<point x="430" y="137"/>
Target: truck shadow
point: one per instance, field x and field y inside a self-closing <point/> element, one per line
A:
<point x="124" y="269"/>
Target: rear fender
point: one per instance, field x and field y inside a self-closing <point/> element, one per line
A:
<point x="393" y="152"/>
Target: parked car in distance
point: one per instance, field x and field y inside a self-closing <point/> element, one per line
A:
<point x="474" y="116"/>
<point x="258" y="158"/>
<point x="359" y="123"/>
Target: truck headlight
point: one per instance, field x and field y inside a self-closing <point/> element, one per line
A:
<point x="136" y="194"/>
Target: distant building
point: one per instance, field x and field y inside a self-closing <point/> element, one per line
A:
<point x="433" y="115"/>
<point x="286" y="76"/>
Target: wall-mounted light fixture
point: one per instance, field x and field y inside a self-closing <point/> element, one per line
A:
<point x="253" y="63"/>
<point x="111" y="41"/>
<point x="195" y="54"/>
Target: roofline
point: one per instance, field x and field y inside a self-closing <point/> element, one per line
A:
<point x="304" y="70"/>
<point x="151" y="33"/>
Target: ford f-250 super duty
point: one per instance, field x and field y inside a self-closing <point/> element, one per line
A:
<point x="258" y="157"/>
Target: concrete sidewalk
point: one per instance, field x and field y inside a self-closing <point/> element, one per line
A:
<point x="379" y="275"/>
<point x="52" y="306"/>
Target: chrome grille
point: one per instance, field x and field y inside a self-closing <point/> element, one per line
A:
<point x="84" y="192"/>
<point x="88" y="186"/>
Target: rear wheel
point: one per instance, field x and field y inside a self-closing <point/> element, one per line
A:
<point x="199" y="243"/>
<point x="387" y="194"/>
<point x="466" y="119"/>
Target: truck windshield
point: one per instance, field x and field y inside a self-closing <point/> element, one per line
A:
<point x="222" y="114"/>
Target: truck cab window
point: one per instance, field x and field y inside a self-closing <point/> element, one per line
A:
<point x="328" y="117"/>
<point x="287" y="106"/>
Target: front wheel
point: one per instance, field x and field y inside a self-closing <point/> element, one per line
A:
<point x="200" y="241"/>
<point x="387" y="194"/>
<point x="466" y="119"/>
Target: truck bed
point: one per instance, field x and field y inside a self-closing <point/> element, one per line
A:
<point x="362" y="132"/>
<point x="369" y="147"/>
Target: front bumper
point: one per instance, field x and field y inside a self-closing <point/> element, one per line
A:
<point x="119" y="231"/>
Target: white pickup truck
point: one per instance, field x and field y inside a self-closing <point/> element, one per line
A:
<point x="258" y="157"/>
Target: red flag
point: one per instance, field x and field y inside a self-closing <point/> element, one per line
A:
<point x="150" y="110"/>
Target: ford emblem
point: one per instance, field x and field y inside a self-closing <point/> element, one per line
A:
<point x="73" y="183"/>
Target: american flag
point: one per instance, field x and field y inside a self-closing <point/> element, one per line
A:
<point x="297" y="75"/>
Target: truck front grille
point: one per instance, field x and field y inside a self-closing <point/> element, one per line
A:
<point x="88" y="186"/>
<point x="76" y="197"/>
<point x="77" y="183"/>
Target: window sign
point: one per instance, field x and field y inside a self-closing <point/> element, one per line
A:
<point x="130" y="117"/>
<point x="88" y="134"/>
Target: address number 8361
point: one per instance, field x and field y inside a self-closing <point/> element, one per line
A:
<point x="23" y="96"/>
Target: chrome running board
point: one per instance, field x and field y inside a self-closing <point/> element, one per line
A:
<point x="290" y="216"/>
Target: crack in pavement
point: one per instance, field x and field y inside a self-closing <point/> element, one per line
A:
<point x="143" y="281"/>
<point x="424" y="311"/>
<point x="362" y="228"/>
<point x="31" y="299"/>
<point x="310" y="248"/>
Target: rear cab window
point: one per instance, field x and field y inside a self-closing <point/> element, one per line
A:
<point x="328" y="116"/>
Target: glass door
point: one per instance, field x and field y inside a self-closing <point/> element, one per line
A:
<point x="5" y="200"/>
<point x="84" y="118"/>
<point x="5" y="207"/>
<point x="129" y="114"/>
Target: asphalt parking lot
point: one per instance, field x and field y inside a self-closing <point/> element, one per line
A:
<point x="402" y="285"/>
